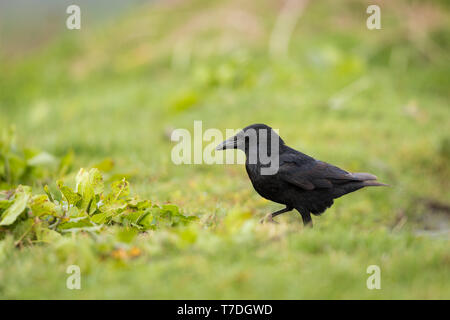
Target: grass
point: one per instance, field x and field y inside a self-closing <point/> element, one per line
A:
<point x="373" y="101"/>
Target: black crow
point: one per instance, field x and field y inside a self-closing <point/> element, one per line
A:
<point x="287" y="176"/>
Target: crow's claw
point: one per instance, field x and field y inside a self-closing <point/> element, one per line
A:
<point x="268" y="218"/>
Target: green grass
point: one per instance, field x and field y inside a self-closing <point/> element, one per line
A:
<point x="115" y="92"/>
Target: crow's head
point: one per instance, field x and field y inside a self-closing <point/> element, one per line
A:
<point x="251" y="138"/>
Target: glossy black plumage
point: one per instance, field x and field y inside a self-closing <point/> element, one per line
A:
<point x="301" y="182"/>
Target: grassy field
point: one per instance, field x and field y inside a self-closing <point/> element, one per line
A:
<point x="368" y="101"/>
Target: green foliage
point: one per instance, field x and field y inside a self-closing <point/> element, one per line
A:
<point x="88" y="208"/>
<point x="24" y="165"/>
<point x="15" y="206"/>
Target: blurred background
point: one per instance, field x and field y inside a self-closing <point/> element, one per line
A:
<point x="366" y="100"/>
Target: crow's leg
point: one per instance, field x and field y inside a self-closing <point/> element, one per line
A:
<point x="276" y="213"/>
<point x="307" y="221"/>
<point x="270" y="216"/>
<point x="306" y="217"/>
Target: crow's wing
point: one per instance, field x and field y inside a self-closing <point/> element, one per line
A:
<point x="310" y="175"/>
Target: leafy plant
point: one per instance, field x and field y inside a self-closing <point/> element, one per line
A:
<point x="87" y="208"/>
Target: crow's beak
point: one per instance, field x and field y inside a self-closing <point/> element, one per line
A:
<point x="227" y="144"/>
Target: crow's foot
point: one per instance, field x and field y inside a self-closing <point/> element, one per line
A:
<point x="268" y="218"/>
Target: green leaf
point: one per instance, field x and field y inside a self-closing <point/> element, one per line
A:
<point x="96" y="180"/>
<point x="74" y="212"/>
<point x="85" y="189"/>
<point x="40" y="205"/>
<point x="101" y="218"/>
<point x="76" y="223"/>
<point x="134" y="216"/>
<point x="112" y="205"/>
<point x="149" y="221"/>
<point x="20" y="201"/>
<point x="120" y="189"/>
<point x="139" y="204"/>
<point x="46" y="235"/>
<point x="172" y="216"/>
<point x="89" y="184"/>
<point x="49" y="194"/>
<point x="71" y="196"/>
<point x="93" y="206"/>
<point x="173" y="209"/>
<point x="5" y="204"/>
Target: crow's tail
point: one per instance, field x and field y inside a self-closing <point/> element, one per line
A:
<point x="367" y="179"/>
<point x="372" y="183"/>
<point x="363" y="180"/>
